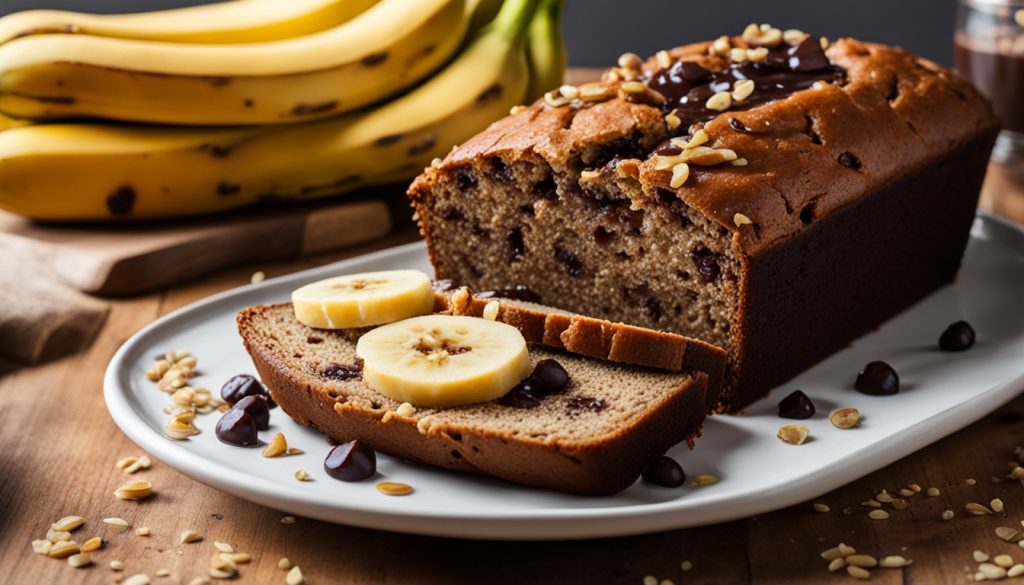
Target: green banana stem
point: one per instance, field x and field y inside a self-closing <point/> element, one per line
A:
<point x="513" y="20"/>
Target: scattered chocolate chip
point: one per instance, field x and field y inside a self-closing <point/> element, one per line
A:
<point x="690" y="71"/>
<point x="121" y="201"/>
<point x="343" y="372"/>
<point x="848" y="160"/>
<point x="580" y="404"/>
<point x="549" y="377"/>
<point x="957" y="337"/>
<point x="797" y="405"/>
<point x="665" y="472"/>
<point x="493" y="91"/>
<point x="878" y="379"/>
<point x="572" y="263"/>
<point x="374" y="59"/>
<point x="522" y="395"/>
<point x="353" y="461"/>
<point x="241" y="386"/>
<point x="808" y="56"/>
<point x="706" y="263"/>
<point x="519" y="292"/>
<point x="257" y="408"/>
<point x="387" y="140"/>
<point x="516" y="246"/>
<point x="237" y="428"/>
<point x="451" y="214"/>
<point x="313" y="340"/>
<point x="227" y="188"/>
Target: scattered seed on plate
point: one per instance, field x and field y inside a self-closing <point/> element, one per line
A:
<point x="134" y="490"/>
<point x="116" y="565"/>
<point x="703" y="480"/>
<point x="284" y="564"/>
<point x="1006" y="533"/>
<point x="996" y="505"/>
<point x="303" y="475"/>
<point x="139" y="579"/>
<point x="819" y="507"/>
<point x="1004" y="561"/>
<point x="906" y="493"/>
<point x="276" y="447"/>
<point x="871" y="504"/>
<point x="393" y="488"/>
<point x="223" y="547"/>
<point x="866" y="561"/>
<point x="120" y="523"/>
<point x="68" y="523"/>
<point x="845" y="418"/>
<point x="64" y="549"/>
<point x="979" y="556"/>
<point x="947" y="514"/>
<point x="93" y="544"/>
<point x="143" y="531"/>
<point x="41" y="546"/>
<point x="933" y="492"/>
<point x="163" y="573"/>
<point x="294" y="576"/>
<point x="857" y="572"/>
<point x="288" y="520"/>
<point x="686" y="565"/>
<point x="970" y="481"/>
<point x="793" y="434"/>
<point x="878" y="514"/>
<point x="1015" y="571"/>
<point x="991" y="571"/>
<point x="257" y="277"/>
<point x="189" y="536"/>
<point x="836" y="564"/>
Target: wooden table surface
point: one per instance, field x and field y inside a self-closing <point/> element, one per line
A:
<point x="58" y="447"/>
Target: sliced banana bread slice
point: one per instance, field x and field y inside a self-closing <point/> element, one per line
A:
<point x="593" y="438"/>
<point x="597" y="338"/>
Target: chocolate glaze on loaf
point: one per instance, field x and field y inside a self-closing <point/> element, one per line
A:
<point x="856" y="200"/>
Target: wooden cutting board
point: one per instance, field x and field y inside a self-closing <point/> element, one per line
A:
<point x="129" y="259"/>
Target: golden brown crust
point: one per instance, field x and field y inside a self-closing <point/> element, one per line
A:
<point x="888" y="114"/>
<point x="598" y="338"/>
<point x="602" y="466"/>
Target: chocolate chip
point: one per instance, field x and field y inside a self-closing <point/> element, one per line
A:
<point x="797" y="405"/>
<point x="501" y="171"/>
<point x="706" y="263"/>
<point x="121" y="201"/>
<point x="465" y="180"/>
<point x="808" y="56"/>
<point x="387" y="140"/>
<point x="878" y="379"/>
<point x="603" y="235"/>
<point x="313" y="340"/>
<point x="451" y="214"/>
<point x="546" y="189"/>
<point x="522" y="395"/>
<point x="690" y="71"/>
<point x="516" y="246"/>
<point x="549" y="377"/>
<point x="519" y="292"/>
<point x="580" y="404"/>
<point x="237" y="428"/>
<point x="664" y="472"/>
<point x="572" y="263"/>
<point x="957" y="337"/>
<point x="353" y="461"/>
<point x="848" y="160"/>
<point x="257" y="408"/>
<point x="343" y="372"/>
<point x="241" y="386"/>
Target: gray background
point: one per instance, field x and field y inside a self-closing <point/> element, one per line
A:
<point x="598" y="31"/>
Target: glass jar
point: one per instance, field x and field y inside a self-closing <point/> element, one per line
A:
<point x="989" y="48"/>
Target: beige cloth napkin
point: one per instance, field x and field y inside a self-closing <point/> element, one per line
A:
<point x="41" y="318"/>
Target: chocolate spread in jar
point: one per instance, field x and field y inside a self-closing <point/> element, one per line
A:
<point x="994" y="63"/>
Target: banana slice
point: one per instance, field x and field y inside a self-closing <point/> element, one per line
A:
<point x="361" y="300"/>
<point x="442" y="360"/>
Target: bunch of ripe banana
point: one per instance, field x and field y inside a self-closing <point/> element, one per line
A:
<point x="220" y="106"/>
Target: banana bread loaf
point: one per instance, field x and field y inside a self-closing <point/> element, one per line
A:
<point x="766" y="193"/>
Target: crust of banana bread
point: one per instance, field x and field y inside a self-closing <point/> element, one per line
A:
<point x="596" y="338"/>
<point x="856" y="201"/>
<point x="488" y="439"/>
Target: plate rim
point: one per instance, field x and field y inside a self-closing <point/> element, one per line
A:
<point x="541" y="523"/>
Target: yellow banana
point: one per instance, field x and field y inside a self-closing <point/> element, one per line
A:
<point x="236" y="21"/>
<point x="381" y="52"/>
<point x="546" y="49"/>
<point x="103" y="172"/>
